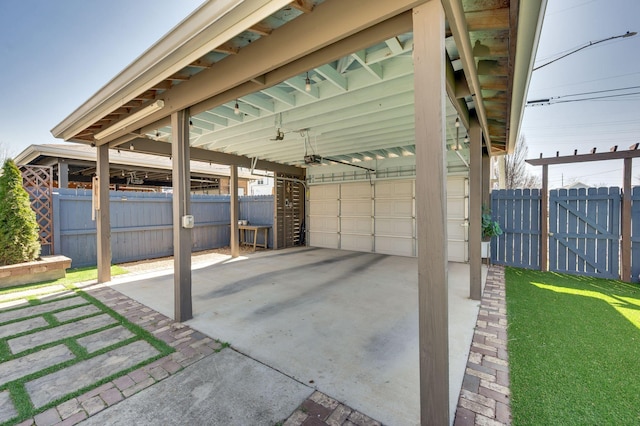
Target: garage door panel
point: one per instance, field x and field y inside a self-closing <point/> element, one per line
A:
<point x="394" y="189"/>
<point x="455" y="231"/>
<point x="325" y="207"/>
<point x="394" y="208"/>
<point x="395" y="246"/>
<point x="324" y="224"/>
<point x="356" y="242"/>
<point x="355" y="190"/>
<point x="324" y="192"/>
<point x="356" y="207"/>
<point x="355" y="225"/>
<point x="322" y="239"/>
<point x="391" y="227"/>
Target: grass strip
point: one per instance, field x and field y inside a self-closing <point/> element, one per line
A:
<point x="73" y="276"/>
<point x="574" y="349"/>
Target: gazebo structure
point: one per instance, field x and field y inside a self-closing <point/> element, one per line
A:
<point x="359" y="108"/>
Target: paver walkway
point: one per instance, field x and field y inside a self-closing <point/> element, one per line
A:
<point x="484" y="399"/>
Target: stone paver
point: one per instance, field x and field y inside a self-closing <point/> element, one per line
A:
<point x="32" y="363"/>
<point x="30" y="311"/>
<point x="22" y="326"/>
<point x="50" y="335"/>
<point x="95" y="342"/>
<point x="70" y="379"/>
<point x="484" y="398"/>
<point x="7" y="410"/>
<point x="82" y="311"/>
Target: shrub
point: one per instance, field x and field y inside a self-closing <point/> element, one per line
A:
<point x="19" y="240"/>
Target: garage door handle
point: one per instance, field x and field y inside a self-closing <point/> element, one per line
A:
<point x="465" y="223"/>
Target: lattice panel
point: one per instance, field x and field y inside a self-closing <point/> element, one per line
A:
<point x="289" y="213"/>
<point x="38" y="182"/>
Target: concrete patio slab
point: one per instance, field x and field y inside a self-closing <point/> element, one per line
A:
<point x="226" y="389"/>
<point x="342" y="322"/>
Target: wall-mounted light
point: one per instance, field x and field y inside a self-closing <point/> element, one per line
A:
<point x="307" y="83"/>
<point x="136" y="116"/>
<point x="236" y="109"/>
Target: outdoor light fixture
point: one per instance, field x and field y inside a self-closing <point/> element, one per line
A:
<point x="236" y="109"/>
<point x="307" y="83"/>
<point x="466" y="139"/>
<point x="131" y="147"/>
<point x="457" y="122"/>
<point x="136" y="116"/>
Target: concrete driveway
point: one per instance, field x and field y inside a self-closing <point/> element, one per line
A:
<point x="342" y="322"/>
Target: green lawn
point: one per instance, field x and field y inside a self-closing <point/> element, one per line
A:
<point x="574" y="349"/>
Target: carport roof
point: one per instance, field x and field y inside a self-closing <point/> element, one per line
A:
<point x="258" y="55"/>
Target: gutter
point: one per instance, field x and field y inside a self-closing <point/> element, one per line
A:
<point x="530" y="18"/>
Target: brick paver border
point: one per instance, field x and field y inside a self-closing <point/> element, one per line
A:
<point x="484" y="398"/>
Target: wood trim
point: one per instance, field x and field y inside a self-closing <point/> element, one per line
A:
<point x="625" y="252"/>
<point x="234" y="205"/>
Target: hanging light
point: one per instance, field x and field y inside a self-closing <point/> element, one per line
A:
<point x="466" y="139"/>
<point x="457" y="122"/>
<point x="131" y="147"/>
<point x="307" y="83"/>
<point x="236" y="109"/>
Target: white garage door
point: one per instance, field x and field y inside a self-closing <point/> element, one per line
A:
<point x="380" y="218"/>
<point x="457" y="218"/>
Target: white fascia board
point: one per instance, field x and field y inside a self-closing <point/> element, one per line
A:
<point x="530" y="18"/>
<point x="211" y="25"/>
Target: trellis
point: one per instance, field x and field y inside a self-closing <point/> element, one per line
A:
<point x="38" y="182"/>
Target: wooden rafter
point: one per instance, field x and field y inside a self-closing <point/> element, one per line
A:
<point x="227" y="48"/>
<point x="302" y="5"/>
<point x="261" y="29"/>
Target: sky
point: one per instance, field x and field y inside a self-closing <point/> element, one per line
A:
<point x="564" y="125"/>
<point x="57" y="54"/>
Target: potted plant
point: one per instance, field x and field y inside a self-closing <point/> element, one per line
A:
<point x="490" y="228"/>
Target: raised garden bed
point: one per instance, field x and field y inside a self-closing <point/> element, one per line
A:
<point x="44" y="269"/>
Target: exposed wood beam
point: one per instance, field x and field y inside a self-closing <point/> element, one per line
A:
<point x="261" y="29"/>
<point x="300" y="84"/>
<point x="394" y="45"/>
<point x="302" y="5"/>
<point x="490" y="19"/>
<point x="227" y="48"/>
<point x="581" y="158"/>
<point x="228" y="113"/>
<point x="330" y="73"/>
<point x="214" y="118"/>
<point x="162" y="148"/>
<point x="374" y="69"/>
<point x="259" y="102"/>
<point x="281" y="95"/>
<point x="226" y="79"/>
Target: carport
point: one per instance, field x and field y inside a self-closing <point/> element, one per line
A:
<point x="359" y="108"/>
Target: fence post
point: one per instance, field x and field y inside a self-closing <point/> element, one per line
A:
<point x="625" y="255"/>
<point x="544" y="219"/>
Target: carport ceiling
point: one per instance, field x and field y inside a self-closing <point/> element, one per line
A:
<point x="356" y="107"/>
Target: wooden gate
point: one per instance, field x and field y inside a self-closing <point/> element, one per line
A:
<point x="38" y="182"/>
<point x="584" y="231"/>
<point x="289" y="212"/>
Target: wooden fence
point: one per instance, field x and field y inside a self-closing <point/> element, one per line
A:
<point x="583" y="228"/>
<point x="141" y="223"/>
